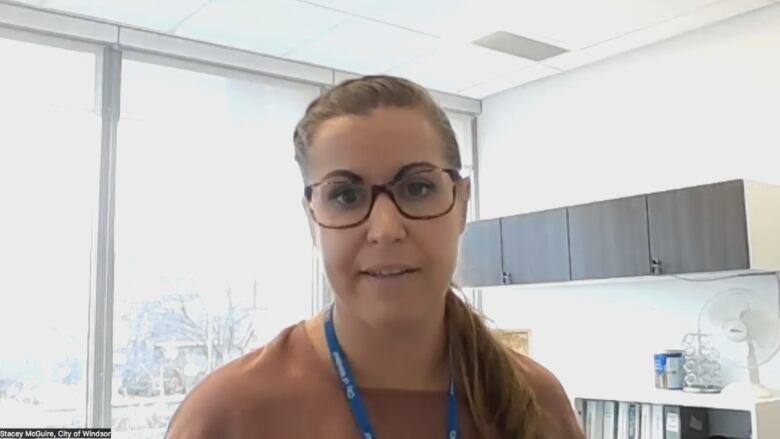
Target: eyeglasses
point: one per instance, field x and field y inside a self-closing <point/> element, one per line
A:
<point x="346" y="201"/>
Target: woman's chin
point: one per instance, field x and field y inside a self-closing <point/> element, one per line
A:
<point x="395" y="319"/>
<point x="396" y="301"/>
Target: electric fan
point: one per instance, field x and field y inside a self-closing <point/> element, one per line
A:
<point x="746" y="330"/>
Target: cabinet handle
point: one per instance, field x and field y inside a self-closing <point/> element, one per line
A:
<point x="506" y="278"/>
<point x="656" y="267"/>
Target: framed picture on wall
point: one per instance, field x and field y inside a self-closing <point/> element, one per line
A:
<point x="519" y="340"/>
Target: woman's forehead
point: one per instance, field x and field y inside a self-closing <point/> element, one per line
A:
<point x="374" y="146"/>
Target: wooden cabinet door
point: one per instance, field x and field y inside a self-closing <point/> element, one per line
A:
<point x="699" y="229"/>
<point x="535" y="247"/>
<point x="609" y="239"/>
<point x="479" y="261"/>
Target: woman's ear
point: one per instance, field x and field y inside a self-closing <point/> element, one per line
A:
<point x="465" y="195"/>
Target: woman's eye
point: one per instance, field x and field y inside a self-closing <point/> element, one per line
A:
<point x="346" y="196"/>
<point x="418" y="189"/>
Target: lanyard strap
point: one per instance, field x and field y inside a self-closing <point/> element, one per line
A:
<point x="354" y="398"/>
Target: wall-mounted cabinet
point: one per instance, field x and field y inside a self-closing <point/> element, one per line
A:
<point x="734" y="225"/>
<point x="699" y="229"/>
<point x="480" y="255"/>
<point x="609" y="239"/>
<point x="531" y="248"/>
<point x="535" y="247"/>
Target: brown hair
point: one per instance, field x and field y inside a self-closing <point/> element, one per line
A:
<point x="498" y="395"/>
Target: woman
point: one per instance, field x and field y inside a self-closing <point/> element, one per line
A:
<point x="398" y="354"/>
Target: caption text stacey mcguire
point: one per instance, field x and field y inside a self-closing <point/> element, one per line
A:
<point x="37" y="433"/>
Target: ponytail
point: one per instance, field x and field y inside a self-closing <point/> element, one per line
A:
<point x="497" y="393"/>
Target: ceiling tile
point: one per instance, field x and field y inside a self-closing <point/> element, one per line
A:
<point x="456" y="67"/>
<point x="458" y="20"/>
<point x="364" y="46"/>
<point x="402" y="34"/>
<point x="714" y="13"/>
<point x="271" y="27"/>
<point x="435" y="17"/>
<point x="585" y="23"/>
<point x="38" y="3"/>
<point x="356" y="7"/>
<point x="507" y="81"/>
<point x="151" y="14"/>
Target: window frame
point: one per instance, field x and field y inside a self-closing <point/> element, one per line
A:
<point x="94" y="367"/>
<point x="108" y="69"/>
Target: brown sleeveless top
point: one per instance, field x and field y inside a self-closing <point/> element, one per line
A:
<point x="284" y="390"/>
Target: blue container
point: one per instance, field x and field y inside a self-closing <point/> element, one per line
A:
<point x="669" y="370"/>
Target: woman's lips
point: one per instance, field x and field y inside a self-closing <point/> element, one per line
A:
<point x="389" y="271"/>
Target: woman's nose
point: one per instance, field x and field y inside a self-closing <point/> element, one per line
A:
<point x="385" y="223"/>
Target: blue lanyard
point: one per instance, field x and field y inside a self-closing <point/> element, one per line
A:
<point x="354" y="398"/>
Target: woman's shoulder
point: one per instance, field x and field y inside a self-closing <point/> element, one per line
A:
<point x="552" y="399"/>
<point x="250" y="385"/>
<point x="543" y="381"/>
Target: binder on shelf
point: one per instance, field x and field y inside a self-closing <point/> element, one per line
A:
<point x="646" y="425"/>
<point x="685" y="423"/>
<point x="594" y="423"/>
<point x="657" y="419"/>
<point x="590" y="415"/>
<point x="623" y="408"/>
<point x="579" y="411"/>
<point x="634" y="419"/>
<point x="601" y="419"/>
<point x="610" y="420"/>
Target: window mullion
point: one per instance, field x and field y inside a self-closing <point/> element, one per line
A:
<point x="100" y="358"/>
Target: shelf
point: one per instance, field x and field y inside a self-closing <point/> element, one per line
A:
<point x="671" y="397"/>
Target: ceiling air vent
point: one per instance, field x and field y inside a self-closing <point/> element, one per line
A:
<point x="519" y="46"/>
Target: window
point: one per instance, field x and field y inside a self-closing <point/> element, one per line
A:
<point x="49" y="166"/>
<point x="213" y="252"/>
<point x="461" y="124"/>
<point x="213" y="255"/>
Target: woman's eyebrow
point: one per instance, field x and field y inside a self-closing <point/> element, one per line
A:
<point x="402" y="172"/>
<point x="406" y="169"/>
<point x="351" y="176"/>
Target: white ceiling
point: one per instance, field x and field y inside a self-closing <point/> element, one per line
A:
<point x="428" y="41"/>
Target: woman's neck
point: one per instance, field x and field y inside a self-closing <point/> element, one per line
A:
<point x="414" y="358"/>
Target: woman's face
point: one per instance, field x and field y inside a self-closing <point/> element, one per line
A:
<point x="360" y="261"/>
